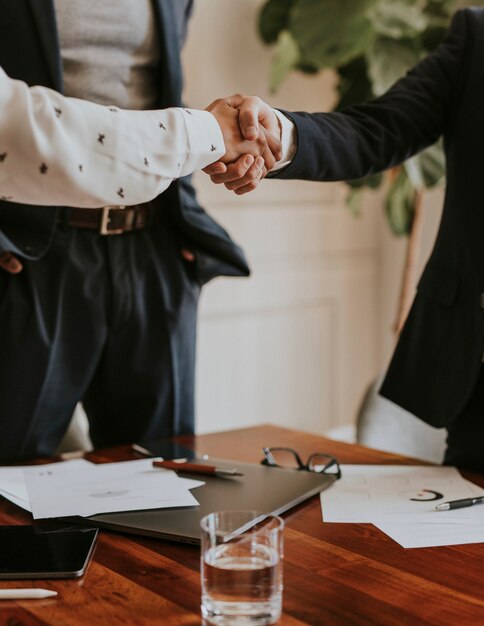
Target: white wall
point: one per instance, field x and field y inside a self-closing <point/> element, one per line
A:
<point x="298" y="342"/>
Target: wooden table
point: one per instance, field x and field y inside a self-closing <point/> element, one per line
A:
<point x="334" y="574"/>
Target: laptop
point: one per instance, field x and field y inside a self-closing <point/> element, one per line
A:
<point x="266" y="489"/>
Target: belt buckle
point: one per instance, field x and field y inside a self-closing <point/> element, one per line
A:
<point x="106" y="218"/>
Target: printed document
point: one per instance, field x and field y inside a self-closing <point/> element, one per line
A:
<point x="400" y="500"/>
<point x="12" y="481"/>
<point x="104" y="488"/>
<point x="397" y="493"/>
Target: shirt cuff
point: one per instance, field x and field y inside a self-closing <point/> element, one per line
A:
<point x="288" y="140"/>
<point x="205" y="140"/>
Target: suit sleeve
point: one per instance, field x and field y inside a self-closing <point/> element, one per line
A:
<point x="65" y="151"/>
<point x="371" y="137"/>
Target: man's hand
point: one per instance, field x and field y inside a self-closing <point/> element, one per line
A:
<point x="256" y="119"/>
<point x="10" y="263"/>
<point x="244" y="173"/>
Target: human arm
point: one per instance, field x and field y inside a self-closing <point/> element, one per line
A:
<point x="64" y="151"/>
<point x="367" y="138"/>
<point x="374" y="136"/>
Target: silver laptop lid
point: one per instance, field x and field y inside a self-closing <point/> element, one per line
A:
<point x="261" y="488"/>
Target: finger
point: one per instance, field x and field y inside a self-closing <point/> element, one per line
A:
<point x="249" y="112"/>
<point x="187" y="255"/>
<point x="253" y="174"/>
<point x="215" y="168"/>
<point x="235" y="170"/>
<point x="10" y="263"/>
<point x="251" y="185"/>
<point x="269" y="120"/>
<point x="269" y="159"/>
<point x="235" y="100"/>
<point x="274" y="146"/>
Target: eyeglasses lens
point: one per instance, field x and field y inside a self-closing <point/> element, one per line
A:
<point x="285" y="458"/>
<point x="319" y="463"/>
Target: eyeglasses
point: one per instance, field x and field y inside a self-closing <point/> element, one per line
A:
<point x="288" y="458"/>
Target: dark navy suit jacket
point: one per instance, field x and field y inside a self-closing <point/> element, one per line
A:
<point x="29" y="51"/>
<point x="438" y="357"/>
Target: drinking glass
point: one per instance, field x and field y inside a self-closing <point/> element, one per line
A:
<point x="241" y="565"/>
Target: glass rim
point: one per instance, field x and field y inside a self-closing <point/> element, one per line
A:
<point x="257" y="517"/>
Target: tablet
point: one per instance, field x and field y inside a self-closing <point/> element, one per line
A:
<point x="26" y="552"/>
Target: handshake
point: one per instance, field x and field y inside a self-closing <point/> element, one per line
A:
<point x="252" y="136"/>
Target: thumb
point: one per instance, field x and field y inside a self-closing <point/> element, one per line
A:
<point x="250" y="112"/>
<point x="254" y="112"/>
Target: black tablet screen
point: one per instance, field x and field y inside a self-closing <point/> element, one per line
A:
<point x="29" y="553"/>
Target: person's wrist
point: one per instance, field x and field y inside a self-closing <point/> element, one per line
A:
<point x="288" y="139"/>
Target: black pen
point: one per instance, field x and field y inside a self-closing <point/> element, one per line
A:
<point x="459" y="504"/>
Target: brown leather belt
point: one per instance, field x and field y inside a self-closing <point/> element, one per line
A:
<point x="110" y="220"/>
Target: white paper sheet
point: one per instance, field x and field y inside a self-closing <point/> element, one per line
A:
<point x="105" y="488"/>
<point x="190" y="483"/>
<point x="396" y="494"/>
<point x="430" y="535"/>
<point x="12" y="481"/>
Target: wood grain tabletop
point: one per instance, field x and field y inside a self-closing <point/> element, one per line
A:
<point x="334" y="574"/>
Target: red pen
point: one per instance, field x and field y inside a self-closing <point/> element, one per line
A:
<point x="197" y="468"/>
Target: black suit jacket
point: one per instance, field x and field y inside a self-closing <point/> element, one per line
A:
<point x="439" y="353"/>
<point x="29" y="50"/>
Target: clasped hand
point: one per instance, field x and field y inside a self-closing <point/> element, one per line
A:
<point x="252" y="134"/>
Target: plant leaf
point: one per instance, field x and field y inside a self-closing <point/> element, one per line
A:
<point x="398" y="19"/>
<point x="427" y="169"/>
<point x="354" y="85"/>
<point x="273" y="18"/>
<point x="400" y="204"/>
<point x="373" y="181"/>
<point x="307" y="68"/>
<point x="433" y="35"/>
<point x="388" y="60"/>
<point x="331" y="33"/>
<point x="353" y="200"/>
<point x="286" y="59"/>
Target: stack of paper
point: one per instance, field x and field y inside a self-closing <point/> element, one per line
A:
<point x="78" y="487"/>
<point x="401" y="499"/>
<point x="12" y="480"/>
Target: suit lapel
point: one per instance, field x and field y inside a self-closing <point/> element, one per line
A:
<point x="171" y="79"/>
<point x="43" y="13"/>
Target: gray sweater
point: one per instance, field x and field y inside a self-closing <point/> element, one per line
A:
<point x="109" y="51"/>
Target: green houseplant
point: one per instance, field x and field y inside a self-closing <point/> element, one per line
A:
<point x="369" y="44"/>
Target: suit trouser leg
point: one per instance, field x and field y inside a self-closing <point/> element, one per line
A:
<point x="465" y="439"/>
<point x="110" y="320"/>
<point x="144" y="383"/>
<point x="51" y="333"/>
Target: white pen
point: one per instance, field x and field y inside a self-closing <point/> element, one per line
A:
<point x="26" y="594"/>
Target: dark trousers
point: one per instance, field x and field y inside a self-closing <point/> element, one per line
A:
<point x="107" y="320"/>
<point x="465" y="439"/>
